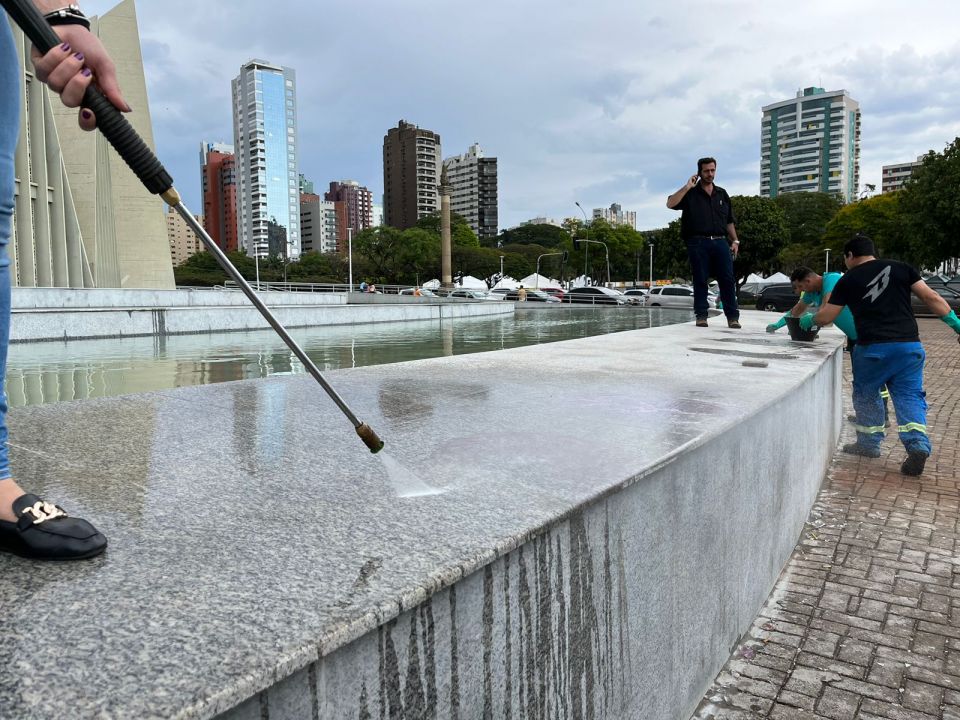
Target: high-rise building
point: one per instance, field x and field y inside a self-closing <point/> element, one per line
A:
<point x="473" y="190"/>
<point x="218" y="183"/>
<point x="894" y="176"/>
<point x="81" y="218"/>
<point x="616" y="216"/>
<point x="411" y="175"/>
<point x="811" y="143"/>
<point x="183" y="240"/>
<point x="265" y="139"/>
<point x="377" y="215"/>
<point x="357" y="208"/>
<point x="318" y="224"/>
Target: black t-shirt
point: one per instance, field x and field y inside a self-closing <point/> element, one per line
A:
<point x="878" y="295"/>
<point x="703" y="214"/>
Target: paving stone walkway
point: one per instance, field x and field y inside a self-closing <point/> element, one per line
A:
<point x="864" y="622"/>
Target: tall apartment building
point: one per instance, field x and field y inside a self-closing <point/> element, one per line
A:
<point x="183" y="240"/>
<point x="318" y="224"/>
<point x="811" y="143"/>
<point x="616" y="216"/>
<point x="357" y="209"/>
<point x="265" y="139"/>
<point x="894" y="176"/>
<point x="81" y="218"/>
<point x="473" y="190"/>
<point x="218" y="183"/>
<point x="411" y="175"/>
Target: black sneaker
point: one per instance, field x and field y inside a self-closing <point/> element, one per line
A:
<point x="915" y="462"/>
<point x="862" y="450"/>
<point x="45" y="532"/>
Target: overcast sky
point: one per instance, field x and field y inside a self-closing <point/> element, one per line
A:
<point x="596" y="102"/>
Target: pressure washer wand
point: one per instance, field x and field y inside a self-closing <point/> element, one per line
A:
<point x="141" y="159"/>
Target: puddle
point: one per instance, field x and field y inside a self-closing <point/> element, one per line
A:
<point x="743" y="353"/>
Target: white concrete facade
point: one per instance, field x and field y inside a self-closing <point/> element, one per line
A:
<point x="894" y="176"/>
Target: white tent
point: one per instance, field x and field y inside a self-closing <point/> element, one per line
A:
<point x="472" y="283"/>
<point x="775" y="278"/>
<point x="539" y="281"/>
<point x="507" y="282"/>
<point x="431" y="285"/>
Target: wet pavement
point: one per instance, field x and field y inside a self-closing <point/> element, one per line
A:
<point x="864" y="622"/>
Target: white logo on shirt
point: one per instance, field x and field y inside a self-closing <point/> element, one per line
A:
<point x="878" y="284"/>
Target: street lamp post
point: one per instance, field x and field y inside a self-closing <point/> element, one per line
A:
<point x="501" y="267"/>
<point x="586" y="250"/>
<point x="350" y="256"/>
<point x="650" y="287"/>
<point x="827" y="266"/>
<point x="537" y="286"/>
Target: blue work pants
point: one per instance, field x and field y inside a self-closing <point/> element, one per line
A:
<point x="899" y="366"/>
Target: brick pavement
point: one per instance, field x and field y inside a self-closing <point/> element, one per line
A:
<point x="864" y="621"/>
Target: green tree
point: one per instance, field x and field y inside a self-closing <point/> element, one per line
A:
<point x="548" y="236"/>
<point x="763" y="232"/>
<point x="930" y="207"/>
<point x="880" y="218"/>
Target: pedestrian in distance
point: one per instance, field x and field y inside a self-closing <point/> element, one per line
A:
<point x="30" y="526"/>
<point x="521" y="294"/>
<point x="888" y="350"/>
<point x="708" y="228"/>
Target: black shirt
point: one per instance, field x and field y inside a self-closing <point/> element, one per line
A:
<point x="704" y="214"/>
<point x="878" y="295"/>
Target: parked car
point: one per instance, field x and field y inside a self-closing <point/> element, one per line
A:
<point x="779" y="297"/>
<point x="631" y="299"/>
<point x="499" y="293"/>
<point x="950" y="295"/>
<point x="471" y="294"/>
<point x="594" y="296"/>
<point x="413" y="291"/>
<point x="635" y="292"/>
<point x="674" y="296"/>
<point x="555" y="291"/>
<point x="747" y="294"/>
<point x="532" y="296"/>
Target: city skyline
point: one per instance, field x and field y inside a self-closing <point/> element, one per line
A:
<point x="617" y="111"/>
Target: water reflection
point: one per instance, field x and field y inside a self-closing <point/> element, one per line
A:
<point x="50" y="372"/>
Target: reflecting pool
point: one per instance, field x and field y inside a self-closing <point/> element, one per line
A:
<point x="54" y="371"/>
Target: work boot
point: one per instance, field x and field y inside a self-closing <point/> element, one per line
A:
<point x="862" y="450"/>
<point x="916" y="460"/>
<point x="735" y="324"/>
<point x="702" y="322"/>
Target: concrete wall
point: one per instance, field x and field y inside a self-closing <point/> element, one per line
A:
<point x="46" y="314"/>
<point x="627" y="607"/>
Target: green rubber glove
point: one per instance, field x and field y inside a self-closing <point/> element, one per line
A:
<point x="806" y="321"/>
<point x="953" y="321"/>
<point x="773" y="327"/>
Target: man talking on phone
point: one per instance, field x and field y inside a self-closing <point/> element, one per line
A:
<point x="707" y="226"/>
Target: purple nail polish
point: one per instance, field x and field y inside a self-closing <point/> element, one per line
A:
<point x="65" y="47"/>
<point x="87" y="115"/>
<point x="79" y="56"/>
<point x="86" y="72"/>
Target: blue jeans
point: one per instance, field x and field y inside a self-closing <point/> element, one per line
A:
<point x="899" y="365"/>
<point x="9" y="129"/>
<point x="712" y="257"/>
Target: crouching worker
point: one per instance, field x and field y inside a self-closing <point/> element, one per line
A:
<point x="888" y="349"/>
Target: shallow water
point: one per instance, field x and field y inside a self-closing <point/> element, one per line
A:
<point x="55" y="371"/>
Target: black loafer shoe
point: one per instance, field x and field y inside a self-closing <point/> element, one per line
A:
<point x="861" y="450"/>
<point x="45" y="532"/>
<point x="915" y="462"/>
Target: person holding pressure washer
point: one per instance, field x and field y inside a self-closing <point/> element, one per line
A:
<point x="29" y="526"/>
<point x="888" y="349"/>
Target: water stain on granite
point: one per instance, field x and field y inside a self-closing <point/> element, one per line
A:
<point x="744" y="353"/>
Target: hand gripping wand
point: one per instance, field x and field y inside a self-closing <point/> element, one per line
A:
<point x="134" y="151"/>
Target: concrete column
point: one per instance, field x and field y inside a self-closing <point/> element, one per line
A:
<point x="446" y="274"/>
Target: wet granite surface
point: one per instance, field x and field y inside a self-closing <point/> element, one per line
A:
<point x="251" y="531"/>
